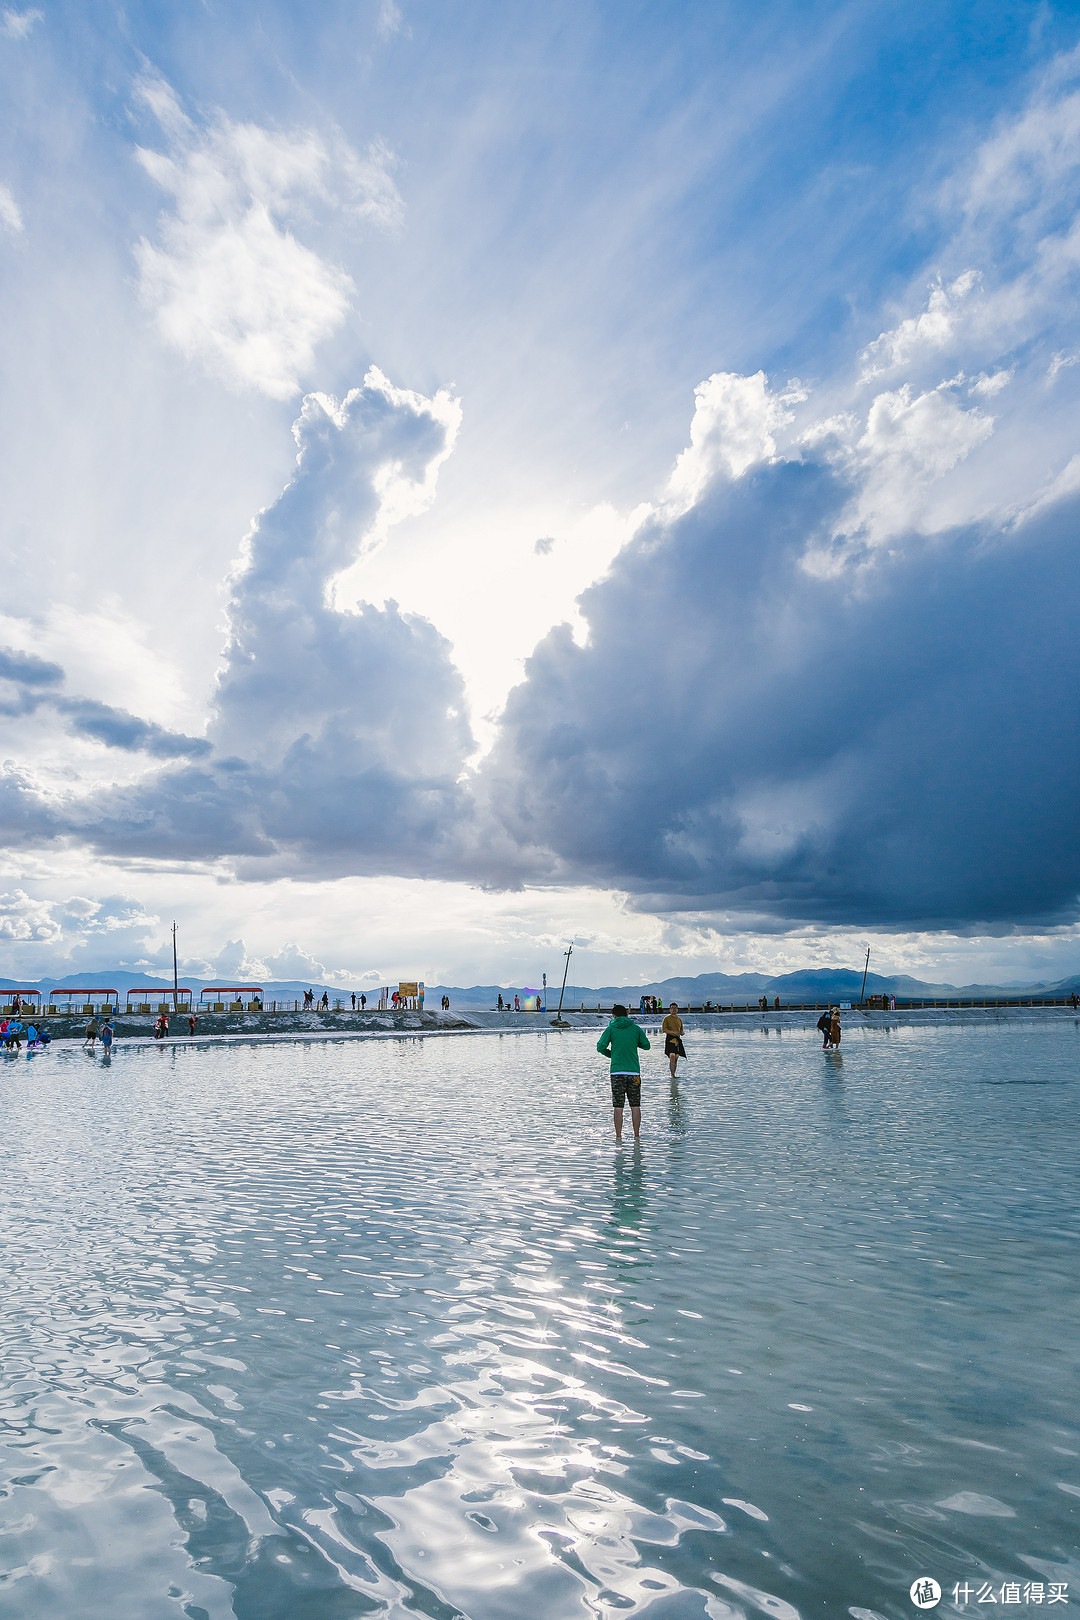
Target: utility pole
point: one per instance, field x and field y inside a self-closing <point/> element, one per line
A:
<point x="568" y="953"/>
<point x="175" y="975"/>
<point x="866" y="969"/>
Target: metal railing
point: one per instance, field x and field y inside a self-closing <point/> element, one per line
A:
<point x="217" y="1008"/>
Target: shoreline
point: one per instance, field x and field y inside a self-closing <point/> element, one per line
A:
<point x="417" y="1026"/>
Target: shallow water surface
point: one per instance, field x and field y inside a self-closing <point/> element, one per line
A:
<point x="309" y="1332"/>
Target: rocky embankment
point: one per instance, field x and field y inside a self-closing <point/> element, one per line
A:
<point x="310" y="1022"/>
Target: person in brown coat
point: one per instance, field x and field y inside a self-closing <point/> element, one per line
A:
<point x="672" y="1029"/>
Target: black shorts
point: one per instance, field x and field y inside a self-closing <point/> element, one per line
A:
<point x="673" y="1043"/>
<point x="626" y="1088"/>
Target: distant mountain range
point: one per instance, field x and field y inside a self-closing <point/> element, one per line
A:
<point x="806" y="984"/>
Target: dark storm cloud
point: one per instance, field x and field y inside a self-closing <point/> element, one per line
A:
<point x="34" y="680"/>
<point x="116" y="728"/>
<point x="25" y="669"/>
<point x="892" y="745"/>
<point x="898" y="744"/>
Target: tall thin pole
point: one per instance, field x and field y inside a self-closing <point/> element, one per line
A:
<point x="175" y="975"/>
<point x="568" y="953"/>
<point x="865" y="971"/>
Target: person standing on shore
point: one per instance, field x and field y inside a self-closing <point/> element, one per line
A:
<point x="834" y="1029"/>
<point x="192" y="1021"/>
<point x="621" y="1040"/>
<point x="672" y="1029"/>
<point x="90" y="1034"/>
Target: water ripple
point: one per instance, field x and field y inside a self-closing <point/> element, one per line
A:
<point x="322" y="1331"/>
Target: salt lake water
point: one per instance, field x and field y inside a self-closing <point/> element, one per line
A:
<point x="309" y="1331"/>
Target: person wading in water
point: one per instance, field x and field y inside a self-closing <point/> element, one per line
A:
<point x="622" y="1039"/>
<point x="672" y="1028"/>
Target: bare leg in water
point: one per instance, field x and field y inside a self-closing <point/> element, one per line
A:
<point x="635" y="1120"/>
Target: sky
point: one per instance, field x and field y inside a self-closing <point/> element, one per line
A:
<point x="478" y="477"/>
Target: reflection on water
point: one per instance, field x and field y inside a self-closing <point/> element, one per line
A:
<point x="314" y="1332"/>
<point x="628" y="1190"/>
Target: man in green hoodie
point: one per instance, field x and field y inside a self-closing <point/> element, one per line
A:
<point x="622" y="1039"/>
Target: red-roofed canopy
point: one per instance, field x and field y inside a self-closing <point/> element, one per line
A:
<point x="232" y="990"/>
<point x="80" y="991"/>
<point x="159" y="990"/>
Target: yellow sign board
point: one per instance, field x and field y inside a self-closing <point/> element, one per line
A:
<point x="408" y="990"/>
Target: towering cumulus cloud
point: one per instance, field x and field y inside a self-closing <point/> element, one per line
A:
<point x="891" y="743"/>
<point x="337" y="736"/>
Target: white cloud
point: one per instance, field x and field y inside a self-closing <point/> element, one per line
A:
<point x="10" y="216"/>
<point x="910" y="442"/>
<point x="334" y="732"/>
<point x="390" y="20"/>
<point x="1065" y="484"/>
<point x="50" y="935"/>
<point x="1010" y="209"/>
<point x="907" y="445"/>
<point x="920" y="438"/>
<point x="23" y="919"/>
<point x="17" y="24"/>
<point x="292" y="962"/>
<point x="228" y="281"/>
<point x="987" y="384"/>
<point x="1022" y="167"/>
<point x="934" y="329"/>
<point x="733" y="426"/>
